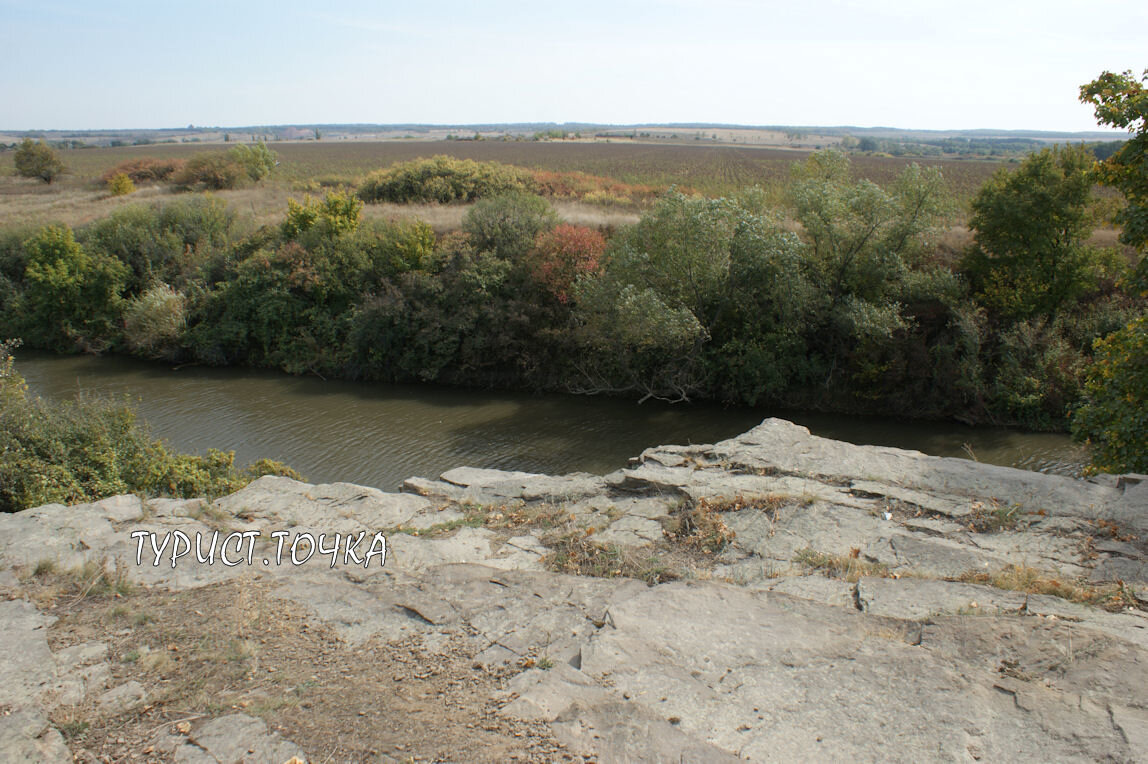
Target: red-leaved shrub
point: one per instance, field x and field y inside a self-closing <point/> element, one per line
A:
<point x="564" y="253"/>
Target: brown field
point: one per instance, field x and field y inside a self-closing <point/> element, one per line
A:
<point x="708" y="169"/>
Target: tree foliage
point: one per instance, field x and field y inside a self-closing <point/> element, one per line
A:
<point x="1030" y="227"/>
<point x="257" y="160"/>
<point x="38" y="160"/>
<point x="1113" y="418"/>
<point x="507" y="225"/>
<point x="71" y="299"/>
<point x="444" y="179"/>
<point x="1121" y="100"/>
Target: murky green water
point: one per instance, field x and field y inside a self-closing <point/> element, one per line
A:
<point x="380" y="434"/>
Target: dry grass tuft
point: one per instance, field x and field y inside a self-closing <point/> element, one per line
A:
<point x="1021" y="578"/>
<point x="577" y="553"/>
<point x="849" y="567"/>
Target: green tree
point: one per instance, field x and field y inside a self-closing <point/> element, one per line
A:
<point x="1113" y="418"/>
<point x="257" y="161"/>
<point x="71" y="299"/>
<point x="1121" y="101"/>
<point x="38" y="160"/>
<point x="1030" y="229"/>
<point x="507" y="225"/>
<point x="335" y="215"/>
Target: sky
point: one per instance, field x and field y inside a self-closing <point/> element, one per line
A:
<point x="913" y="64"/>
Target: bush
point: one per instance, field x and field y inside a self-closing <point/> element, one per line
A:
<point x="560" y="256"/>
<point x="71" y="299"/>
<point x="444" y="179"/>
<point x="88" y="449"/>
<point x="215" y="172"/>
<point x="507" y="225"/>
<point x="145" y="170"/>
<point x="1113" y="418"/>
<point x="1030" y="227"/>
<point x="38" y="160"/>
<point x="257" y="161"/>
<point x="165" y="243"/>
<point x="154" y="322"/>
<point x="337" y="214"/>
<point x="121" y="185"/>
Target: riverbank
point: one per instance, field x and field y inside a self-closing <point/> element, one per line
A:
<point x="774" y="595"/>
<point x="378" y="434"/>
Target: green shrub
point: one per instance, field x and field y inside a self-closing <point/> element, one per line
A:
<point x="1113" y="418"/>
<point x="1030" y="227"/>
<point x="121" y="185"/>
<point x="154" y="322"/>
<point x="444" y="179"/>
<point x="336" y="215"/>
<point x="71" y="300"/>
<point x="257" y="160"/>
<point x="88" y="449"/>
<point x="166" y="243"/>
<point x="507" y="225"/>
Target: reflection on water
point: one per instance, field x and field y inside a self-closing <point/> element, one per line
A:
<point x="378" y="435"/>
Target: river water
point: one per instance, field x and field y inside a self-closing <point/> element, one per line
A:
<point x="378" y="435"/>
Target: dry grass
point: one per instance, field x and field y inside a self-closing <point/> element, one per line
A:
<point x="849" y="567"/>
<point x="1021" y="578"/>
<point x="578" y="553"/>
<point x="32" y="204"/>
<point x="47" y="585"/>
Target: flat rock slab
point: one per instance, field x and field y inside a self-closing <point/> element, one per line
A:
<point x="236" y="739"/>
<point x="26" y="736"/>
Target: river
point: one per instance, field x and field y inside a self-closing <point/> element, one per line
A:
<point x="378" y="435"/>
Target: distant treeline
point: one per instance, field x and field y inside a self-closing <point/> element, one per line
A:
<point x="970" y="147"/>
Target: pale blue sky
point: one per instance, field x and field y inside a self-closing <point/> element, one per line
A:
<point x="899" y="63"/>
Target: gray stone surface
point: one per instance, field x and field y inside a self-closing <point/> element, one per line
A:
<point x="236" y="739"/>
<point x="27" y="738"/>
<point x="831" y="628"/>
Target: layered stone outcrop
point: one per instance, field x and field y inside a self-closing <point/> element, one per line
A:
<point x="772" y="597"/>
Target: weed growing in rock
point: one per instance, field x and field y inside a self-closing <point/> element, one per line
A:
<point x="849" y="567"/>
<point x="994" y="517"/>
<point x="577" y="553"/>
<point x="1021" y="578"/>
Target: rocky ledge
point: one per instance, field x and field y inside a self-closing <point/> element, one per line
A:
<point x="772" y="597"/>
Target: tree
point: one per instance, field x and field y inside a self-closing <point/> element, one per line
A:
<point x="257" y="161"/>
<point x="1122" y="101"/>
<point x="507" y="225"/>
<point x="38" y="160"/>
<point x="1114" y="416"/>
<point x="71" y="298"/>
<point x="1030" y="230"/>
